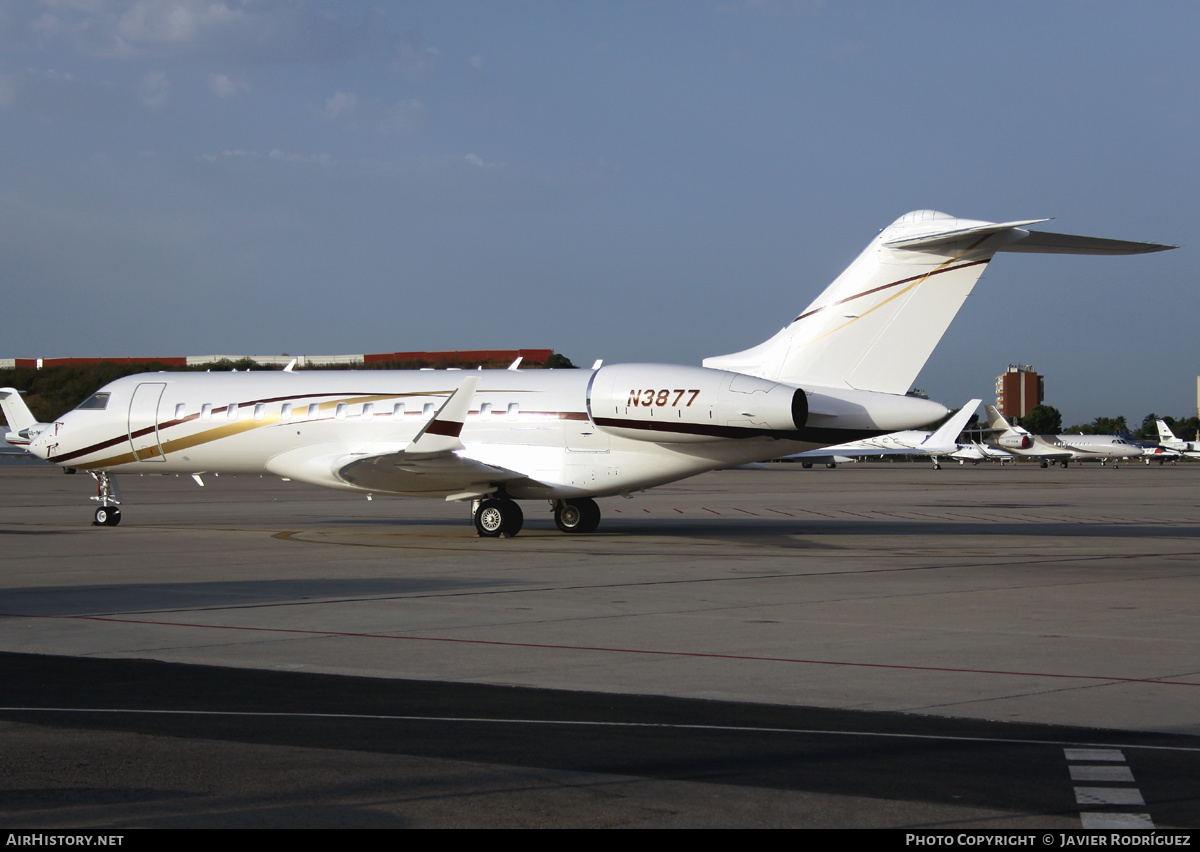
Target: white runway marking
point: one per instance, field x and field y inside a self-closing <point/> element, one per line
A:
<point x="1102" y="767"/>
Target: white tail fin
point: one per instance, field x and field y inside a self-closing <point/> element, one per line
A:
<point x="1165" y="435"/>
<point x="949" y="431"/>
<point x="876" y="325"/>
<point x="22" y="425"/>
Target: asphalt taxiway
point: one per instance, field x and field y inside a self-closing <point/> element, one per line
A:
<point x="880" y="644"/>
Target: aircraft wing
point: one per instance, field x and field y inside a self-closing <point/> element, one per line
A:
<point x="431" y="463"/>
<point x="458" y="477"/>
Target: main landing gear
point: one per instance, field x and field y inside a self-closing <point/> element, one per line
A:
<point x="500" y="516"/>
<point x="580" y="515"/>
<point x="108" y="494"/>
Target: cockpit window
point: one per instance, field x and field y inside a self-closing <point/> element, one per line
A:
<point x="95" y="402"/>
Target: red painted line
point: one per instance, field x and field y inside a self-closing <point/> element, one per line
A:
<point x="776" y="511"/>
<point x="696" y="654"/>
<point x="747" y="511"/>
<point x="714" y="511"/>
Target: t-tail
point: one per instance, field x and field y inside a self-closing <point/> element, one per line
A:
<point x="875" y="326"/>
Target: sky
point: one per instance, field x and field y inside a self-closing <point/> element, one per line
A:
<point x="627" y="181"/>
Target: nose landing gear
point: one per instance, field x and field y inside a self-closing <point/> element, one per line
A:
<point x="108" y="494"/>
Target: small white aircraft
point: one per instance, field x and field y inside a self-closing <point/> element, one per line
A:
<point x="908" y="443"/>
<point x="838" y="372"/>
<point x="1057" y="448"/>
<point x="1168" y="441"/>
<point x="975" y="452"/>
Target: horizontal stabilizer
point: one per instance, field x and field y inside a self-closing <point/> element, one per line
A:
<point x="1044" y="242"/>
<point x="955" y="235"/>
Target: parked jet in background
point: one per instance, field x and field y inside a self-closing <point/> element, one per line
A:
<point x="838" y="372"/>
<point x="1057" y="448"/>
<point x="1167" y="440"/>
<point x="909" y="443"/>
<point x="976" y="452"/>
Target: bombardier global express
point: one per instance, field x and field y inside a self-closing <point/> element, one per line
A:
<point x="837" y="372"/>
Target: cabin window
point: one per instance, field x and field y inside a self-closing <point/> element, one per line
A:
<point x="260" y="411"/>
<point x="95" y="402"/>
<point x="485" y="409"/>
<point x="368" y="411"/>
<point x="427" y="410"/>
<point x="285" y="413"/>
<point x="231" y="412"/>
<point x="339" y="413"/>
<point x="398" y="411"/>
<point x="514" y="408"/>
<point x="180" y="410"/>
<point x="206" y="411"/>
<point x="314" y="410"/>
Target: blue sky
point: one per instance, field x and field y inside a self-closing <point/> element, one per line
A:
<point x="627" y="181"/>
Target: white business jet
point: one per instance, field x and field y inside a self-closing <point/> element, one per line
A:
<point x="912" y="442"/>
<point x="1060" y="449"/>
<point x="1168" y="441"/>
<point x="837" y="372"/>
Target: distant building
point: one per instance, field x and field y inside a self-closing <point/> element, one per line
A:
<point x="1019" y="390"/>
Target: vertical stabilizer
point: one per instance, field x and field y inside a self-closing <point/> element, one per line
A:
<point x="876" y="325"/>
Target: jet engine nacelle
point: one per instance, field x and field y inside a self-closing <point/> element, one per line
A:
<point x="671" y="404"/>
<point x="667" y="403"/>
<point x="1014" y="441"/>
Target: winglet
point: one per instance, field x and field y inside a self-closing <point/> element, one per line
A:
<point x="440" y="434"/>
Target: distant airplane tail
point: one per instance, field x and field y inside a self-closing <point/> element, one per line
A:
<point x="876" y="325"/>
<point x="20" y="419"/>
<point x="1164" y="432"/>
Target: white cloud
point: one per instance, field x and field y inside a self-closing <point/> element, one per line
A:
<point x="224" y="87"/>
<point x="341" y="104"/>
<point x="155" y="89"/>
<point x="156" y="22"/>
<point x="416" y="63"/>
<point x="400" y="118"/>
<point x="234" y="30"/>
<point x="475" y="160"/>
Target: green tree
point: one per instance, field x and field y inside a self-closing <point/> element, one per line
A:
<point x="1043" y="420"/>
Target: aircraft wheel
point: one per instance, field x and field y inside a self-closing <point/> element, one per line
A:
<point x="107" y="516"/>
<point x="495" y="518"/>
<point x="1045" y="464"/>
<point x="806" y="465"/>
<point x="975" y="463"/>
<point x="577" y="516"/>
<point x="937" y="466"/>
<point x="831" y="465"/>
<point x="1064" y="464"/>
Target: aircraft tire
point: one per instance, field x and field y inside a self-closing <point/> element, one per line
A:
<point x="107" y="516"/>
<point x="1045" y="463"/>
<point x="806" y="465"/>
<point x="495" y="518"/>
<point x="831" y="465"/>
<point x="577" y="516"/>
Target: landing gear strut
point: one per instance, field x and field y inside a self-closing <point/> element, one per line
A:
<point x="498" y="516"/>
<point x="108" y="495"/>
<point x="580" y="515"/>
